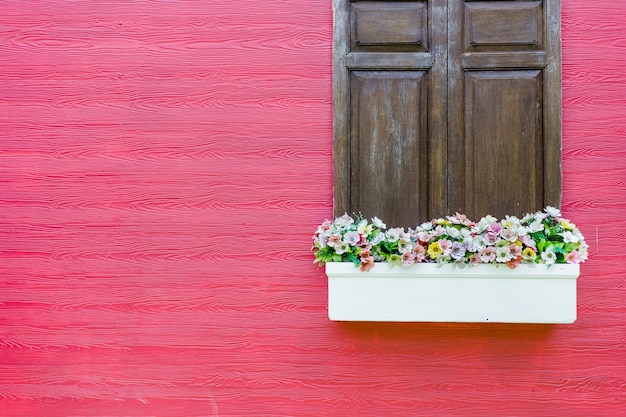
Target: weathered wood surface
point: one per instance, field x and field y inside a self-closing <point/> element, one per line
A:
<point x="163" y="165"/>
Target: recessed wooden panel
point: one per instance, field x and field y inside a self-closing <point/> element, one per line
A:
<point x="513" y="25"/>
<point x="503" y="138"/>
<point x="376" y="25"/>
<point x="388" y="144"/>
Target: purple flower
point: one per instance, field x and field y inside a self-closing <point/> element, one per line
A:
<point x="457" y="251"/>
<point x="352" y="238"/>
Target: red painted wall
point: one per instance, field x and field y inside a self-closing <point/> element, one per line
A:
<point x="162" y="167"/>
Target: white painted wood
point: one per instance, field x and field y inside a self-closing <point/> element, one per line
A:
<point x="430" y="293"/>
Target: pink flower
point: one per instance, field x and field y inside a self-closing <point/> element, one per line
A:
<point x="424" y="237"/>
<point x="513" y="263"/>
<point x="419" y="252"/>
<point x="334" y="240"/>
<point x="462" y="218"/>
<point x="495" y="227"/>
<point x="488" y="255"/>
<point x="527" y="241"/>
<point x="440" y="231"/>
<point x="573" y="257"/>
<point x="445" y="245"/>
<point x="509" y="235"/>
<point x="516" y="251"/>
<point x="492" y="238"/>
<point x="474" y="259"/>
<point x="367" y="263"/>
<point x="408" y="259"/>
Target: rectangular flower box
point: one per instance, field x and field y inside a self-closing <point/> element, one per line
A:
<point x="490" y="293"/>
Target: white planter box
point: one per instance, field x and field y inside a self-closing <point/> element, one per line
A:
<point x="431" y="293"/>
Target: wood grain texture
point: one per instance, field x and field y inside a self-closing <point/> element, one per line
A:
<point x="162" y="167"/>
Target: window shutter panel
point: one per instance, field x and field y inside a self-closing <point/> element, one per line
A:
<point x="444" y="106"/>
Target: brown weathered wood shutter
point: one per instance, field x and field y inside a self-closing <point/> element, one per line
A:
<point x="446" y="105"/>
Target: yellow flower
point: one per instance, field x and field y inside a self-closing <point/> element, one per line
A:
<point x="529" y="254"/>
<point x="434" y="250"/>
<point x="365" y="230"/>
<point x="566" y="225"/>
<point x="395" y="260"/>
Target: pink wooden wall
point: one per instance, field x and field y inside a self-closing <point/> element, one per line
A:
<point x="162" y="167"/>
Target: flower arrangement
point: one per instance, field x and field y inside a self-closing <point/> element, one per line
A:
<point x="542" y="237"/>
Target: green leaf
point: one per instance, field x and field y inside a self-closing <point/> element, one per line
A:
<point x="541" y="245"/>
<point x="570" y="247"/>
<point x="557" y="247"/>
<point x="353" y="259"/>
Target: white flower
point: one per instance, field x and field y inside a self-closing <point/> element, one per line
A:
<point x="453" y="232"/>
<point x="468" y="243"/>
<point x="344" y="221"/>
<point x="379" y="223"/>
<point x="377" y="239"/>
<point x="404" y="246"/>
<point x="552" y="211"/>
<point x="393" y="234"/>
<point x="426" y="226"/>
<point x="549" y="257"/>
<point x="404" y="235"/>
<point x="534" y="227"/>
<point x="503" y="254"/>
<point x="342" y="248"/>
<point x="578" y="234"/>
<point x="569" y="237"/>
<point x="483" y="223"/>
<point x="510" y="222"/>
<point x="479" y="243"/>
<point x="364" y="228"/>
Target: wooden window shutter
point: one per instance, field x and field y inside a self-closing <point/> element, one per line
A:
<point x="446" y="105"/>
